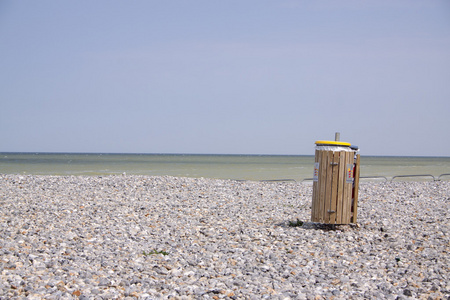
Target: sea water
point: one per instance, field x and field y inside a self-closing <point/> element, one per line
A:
<point x="238" y="167"/>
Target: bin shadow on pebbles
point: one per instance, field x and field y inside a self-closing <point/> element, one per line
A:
<point x="121" y="237"/>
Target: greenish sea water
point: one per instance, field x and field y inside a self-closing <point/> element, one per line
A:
<point x="240" y="167"/>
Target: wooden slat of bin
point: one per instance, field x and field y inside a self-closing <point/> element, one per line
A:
<point x="356" y="191"/>
<point x="334" y="188"/>
<point x="340" y="190"/>
<point x="318" y="190"/>
<point x="315" y="191"/>
<point x="322" y="185"/>
<point x="348" y="190"/>
<point x="328" y="187"/>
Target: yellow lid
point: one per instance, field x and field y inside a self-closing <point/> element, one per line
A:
<point x="332" y="143"/>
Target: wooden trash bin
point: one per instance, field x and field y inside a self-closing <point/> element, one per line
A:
<point x="335" y="183"/>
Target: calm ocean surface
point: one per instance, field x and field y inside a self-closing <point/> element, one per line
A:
<point x="240" y="167"/>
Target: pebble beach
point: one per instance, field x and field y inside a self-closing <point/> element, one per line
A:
<point x="142" y="237"/>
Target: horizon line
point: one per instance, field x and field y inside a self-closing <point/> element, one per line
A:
<point x="194" y="154"/>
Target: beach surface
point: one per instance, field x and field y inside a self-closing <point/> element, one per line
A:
<point x="141" y="237"/>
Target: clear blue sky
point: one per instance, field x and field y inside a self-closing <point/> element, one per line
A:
<point x="234" y="77"/>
